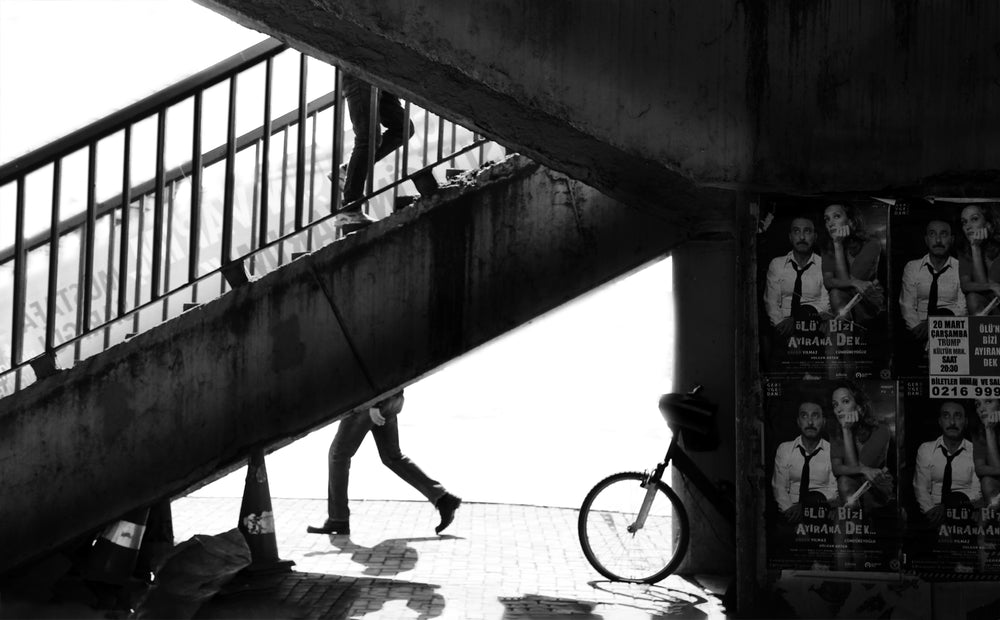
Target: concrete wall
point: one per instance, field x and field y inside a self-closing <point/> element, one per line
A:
<point x="288" y="352"/>
<point x="647" y="99"/>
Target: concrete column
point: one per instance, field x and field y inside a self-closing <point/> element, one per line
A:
<point x="705" y="298"/>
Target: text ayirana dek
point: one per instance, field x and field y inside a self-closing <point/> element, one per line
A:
<point x="849" y="527"/>
<point x="969" y="530"/>
<point x="826" y="334"/>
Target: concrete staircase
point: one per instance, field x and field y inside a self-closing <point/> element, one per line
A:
<point x="334" y="330"/>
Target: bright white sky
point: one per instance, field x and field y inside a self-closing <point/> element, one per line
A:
<point x="536" y="417"/>
<point x="66" y="63"/>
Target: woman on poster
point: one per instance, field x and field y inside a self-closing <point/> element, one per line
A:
<point x="978" y="267"/>
<point x="859" y="449"/>
<point x="850" y="265"/>
<point x="986" y="450"/>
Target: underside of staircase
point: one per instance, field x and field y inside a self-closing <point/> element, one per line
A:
<point x="294" y="350"/>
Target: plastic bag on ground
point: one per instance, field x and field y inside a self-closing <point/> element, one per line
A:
<point x="192" y="573"/>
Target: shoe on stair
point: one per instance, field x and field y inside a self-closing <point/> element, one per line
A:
<point x="347" y="222"/>
<point x="447" y="504"/>
<point x="330" y="527"/>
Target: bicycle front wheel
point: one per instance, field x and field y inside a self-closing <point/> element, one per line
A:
<point x="610" y="540"/>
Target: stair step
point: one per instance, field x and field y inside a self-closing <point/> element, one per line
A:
<point x="402" y="202"/>
<point x="425" y="182"/>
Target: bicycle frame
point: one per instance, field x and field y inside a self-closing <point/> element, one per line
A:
<point x="689" y="469"/>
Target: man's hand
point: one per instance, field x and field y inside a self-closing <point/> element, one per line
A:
<point x="377" y="418"/>
<point x="936" y="514"/>
<point x="794" y="513"/>
<point x="989" y="418"/>
<point x="786" y="326"/>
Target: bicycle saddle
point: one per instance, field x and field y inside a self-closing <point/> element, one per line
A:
<point x="690" y="410"/>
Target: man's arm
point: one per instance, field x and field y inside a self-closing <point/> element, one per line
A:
<point x="772" y="292"/>
<point x="908" y="296"/>
<point x="961" y="306"/>
<point x="922" y="477"/>
<point x="976" y="490"/>
<point x="823" y="307"/>
<point x="779" y="480"/>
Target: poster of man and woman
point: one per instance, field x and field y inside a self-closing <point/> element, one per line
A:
<point x="878" y="323"/>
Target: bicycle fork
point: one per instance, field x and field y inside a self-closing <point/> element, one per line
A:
<point x="650" y="484"/>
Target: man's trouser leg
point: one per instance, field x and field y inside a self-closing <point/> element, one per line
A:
<point x="350" y="434"/>
<point x="359" y="109"/>
<point x="387" y="440"/>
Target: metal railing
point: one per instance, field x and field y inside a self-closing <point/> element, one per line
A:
<point x="82" y="243"/>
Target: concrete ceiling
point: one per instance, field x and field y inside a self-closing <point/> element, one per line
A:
<point x="649" y="101"/>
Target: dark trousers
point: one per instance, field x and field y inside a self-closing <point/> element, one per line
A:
<point x="350" y="434"/>
<point x="390" y="115"/>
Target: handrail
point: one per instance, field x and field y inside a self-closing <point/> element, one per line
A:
<point x="213" y="156"/>
<point x="143" y="268"/>
<point x="117" y="121"/>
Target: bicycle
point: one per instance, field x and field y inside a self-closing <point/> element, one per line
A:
<point x="633" y="526"/>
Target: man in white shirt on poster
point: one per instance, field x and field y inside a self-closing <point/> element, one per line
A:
<point x="795" y="289"/>
<point x="945" y="476"/>
<point x="930" y="284"/>
<point x="803" y="475"/>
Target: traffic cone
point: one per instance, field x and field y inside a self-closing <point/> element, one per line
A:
<point x="257" y="520"/>
<point x="112" y="558"/>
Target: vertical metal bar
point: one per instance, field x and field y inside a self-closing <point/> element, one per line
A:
<point x="255" y="212"/>
<point x="109" y="282"/>
<point x="338" y="140"/>
<point x="20" y="270"/>
<point x="50" y="312"/>
<point x="169" y="243"/>
<point x="284" y="190"/>
<point x="395" y="179"/>
<point x="81" y="287"/>
<point x="138" y="262"/>
<point x="194" y="237"/>
<point x="157" y="252"/>
<point x="427" y="129"/>
<point x="406" y="141"/>
<point x="482" y="146"/>
<point x="312" y="184"/>
<point x="265" y="179"/>
<point x="86" y="285"/>
<point x="453" y="129"/>
<point x="300" y="151"/>
<point x="227" y="202"/>
<point x="440" y="153"/>
<point x="373" y="136"/>
<point x="126" y="208"/>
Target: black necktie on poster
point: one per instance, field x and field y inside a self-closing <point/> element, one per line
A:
<point x="797" y="289"/>
<point x="946" y="481"/>
<point x="932" y="297"/>
<point x="804" y="482"/>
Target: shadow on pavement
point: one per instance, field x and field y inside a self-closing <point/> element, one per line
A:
<point x="387" y="558"/>
<point x="312" y="595"/>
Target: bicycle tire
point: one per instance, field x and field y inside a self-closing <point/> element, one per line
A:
<point x="613" y="504"/>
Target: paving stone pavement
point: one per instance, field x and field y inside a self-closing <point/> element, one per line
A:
<point x="496" y="561"/>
